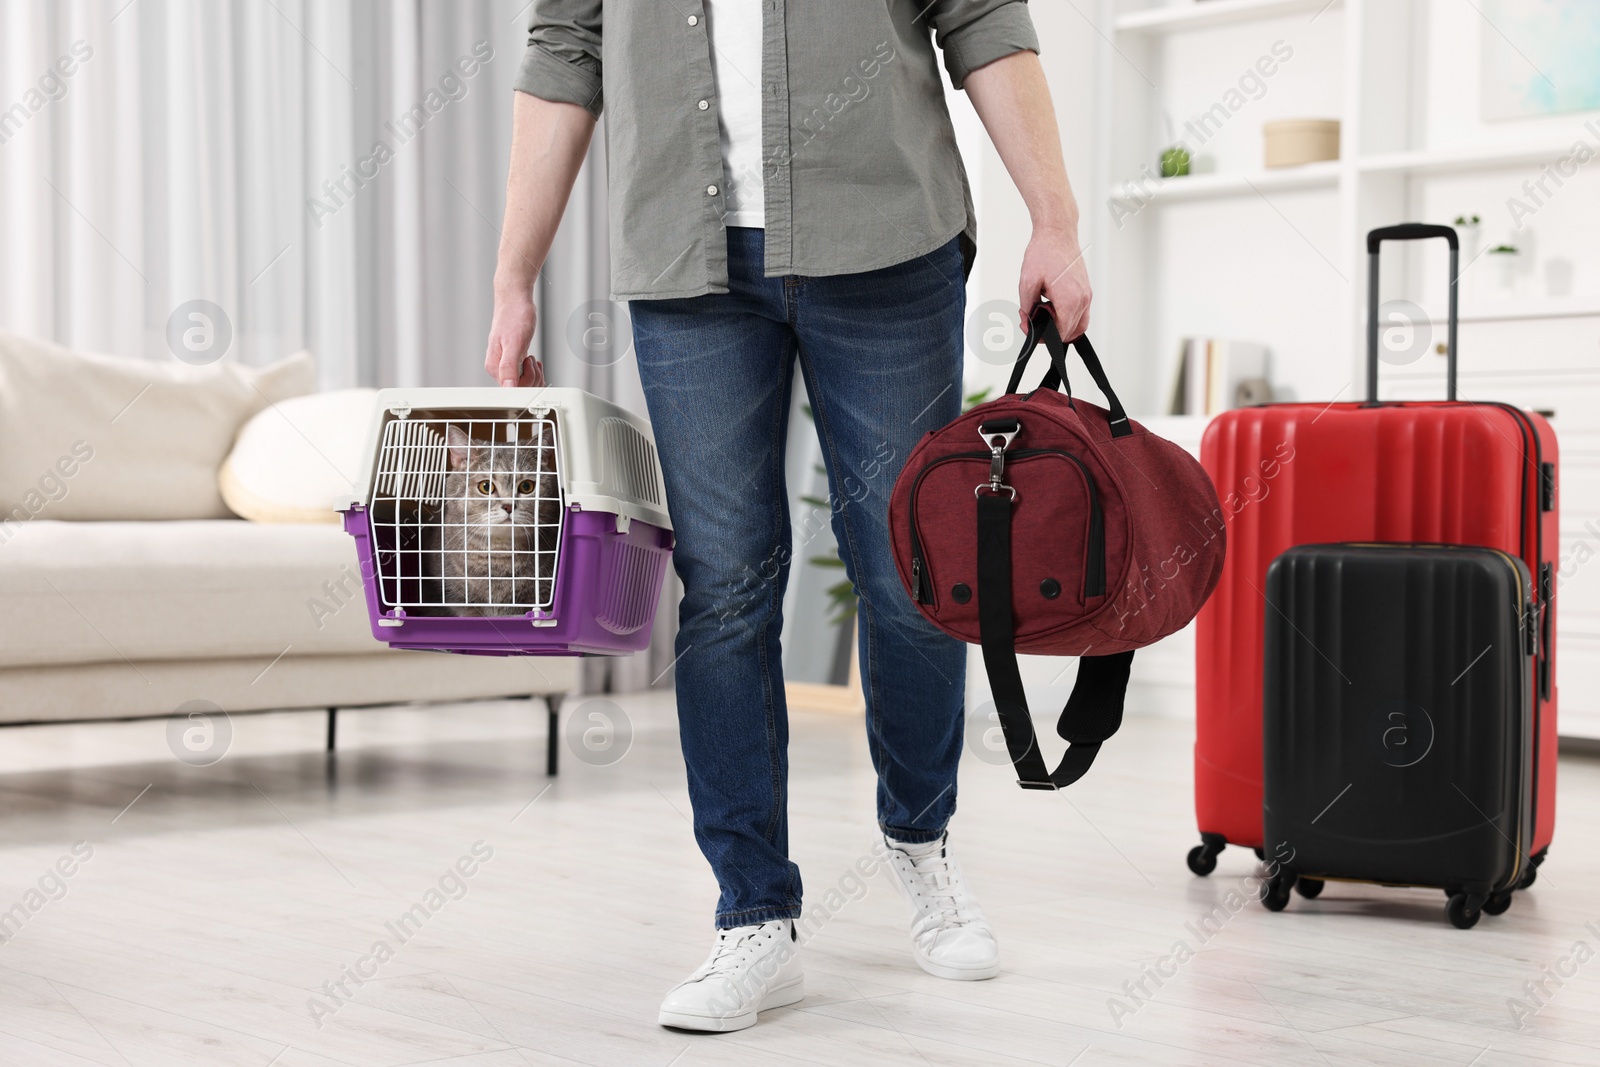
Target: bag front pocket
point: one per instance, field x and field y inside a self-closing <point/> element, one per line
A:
<point x="1058" y="538"/>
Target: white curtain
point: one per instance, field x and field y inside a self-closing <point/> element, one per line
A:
<point x="330" y="173"/>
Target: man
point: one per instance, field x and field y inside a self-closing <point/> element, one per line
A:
<point x="785" y="189"/>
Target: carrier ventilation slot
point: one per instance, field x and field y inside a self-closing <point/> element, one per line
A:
<point x="412" y="463"/>
<point x="630" y="461"/>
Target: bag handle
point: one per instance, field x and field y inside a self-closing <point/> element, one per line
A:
<point x="1042" y="327"/>
<point x="1094" y="710"/>
<point x="1410" y="231"/>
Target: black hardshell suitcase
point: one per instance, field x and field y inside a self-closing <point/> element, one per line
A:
<point x="1398" y="732"/>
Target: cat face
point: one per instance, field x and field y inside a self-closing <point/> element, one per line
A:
<point x="492" y="491"/>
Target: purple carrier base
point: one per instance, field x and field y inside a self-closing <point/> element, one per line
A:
<point x="607" y="587"/>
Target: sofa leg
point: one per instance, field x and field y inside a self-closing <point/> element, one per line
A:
<point x="552" y="753"/>
<point x="333" y="727"/>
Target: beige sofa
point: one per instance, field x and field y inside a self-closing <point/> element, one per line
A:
<point x="119" y="602"/>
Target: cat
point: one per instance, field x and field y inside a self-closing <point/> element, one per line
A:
<point x="500" y="520"/>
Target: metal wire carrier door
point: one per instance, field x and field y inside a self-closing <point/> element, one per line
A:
<point x="466" y="515"/>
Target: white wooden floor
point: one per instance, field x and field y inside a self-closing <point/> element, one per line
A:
<point x="213" y="910"/>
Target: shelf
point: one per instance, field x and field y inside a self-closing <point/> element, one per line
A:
<point x="1455" y="160"/>
<point x="1210" y="186"/>
<point x="1199" y="14"/>
<point x="1531" y="308"/>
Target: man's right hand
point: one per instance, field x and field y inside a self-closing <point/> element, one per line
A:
<point x="507" y="360"/>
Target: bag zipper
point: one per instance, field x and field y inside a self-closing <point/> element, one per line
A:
<point x="1095" y="571"/>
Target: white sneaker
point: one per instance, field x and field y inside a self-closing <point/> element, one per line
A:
<point x="949" y="933"/>
<point x="750" y="969"/>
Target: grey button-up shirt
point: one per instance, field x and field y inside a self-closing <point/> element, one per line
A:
<point x="859" y="156"/>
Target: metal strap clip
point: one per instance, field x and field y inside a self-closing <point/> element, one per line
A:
<point x="998" y="437"/>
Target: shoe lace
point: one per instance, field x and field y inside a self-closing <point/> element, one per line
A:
<point x="942" y="888"/>
<point x="734" y="947"/>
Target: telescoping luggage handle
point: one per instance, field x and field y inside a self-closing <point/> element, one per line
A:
<point x="1409" y="231"/>
<point x="1093" y="711"/>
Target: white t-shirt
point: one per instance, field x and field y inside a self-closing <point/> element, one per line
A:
<point x="736" y="66"/>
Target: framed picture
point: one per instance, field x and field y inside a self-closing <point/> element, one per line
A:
<point x="1539" y="57"/>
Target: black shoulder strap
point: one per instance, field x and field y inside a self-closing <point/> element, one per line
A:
<point x="1093" y="711"/>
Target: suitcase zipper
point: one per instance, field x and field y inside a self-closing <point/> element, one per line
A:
<point x="1095" y="568"/>
<point x="1527" y="616"/>
<point x="1543" y="666"/>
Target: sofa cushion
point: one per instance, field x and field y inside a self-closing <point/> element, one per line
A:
<point x="89" y="592"/>
<point x="294" y="461"/>
<point x="87" y="436"/>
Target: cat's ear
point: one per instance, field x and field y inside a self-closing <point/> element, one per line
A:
<point x="459" y="444"/>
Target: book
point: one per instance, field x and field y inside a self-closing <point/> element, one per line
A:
<point x="1197" y="375"/>
<point x="1208" y="374"/>
<point x="1178" y="381"/>
<point x="1232" y="363"/>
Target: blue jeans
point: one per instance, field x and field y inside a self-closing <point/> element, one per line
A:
<point x="881" y="356"/>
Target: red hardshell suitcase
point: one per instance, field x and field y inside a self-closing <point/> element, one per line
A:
<point x="1458" y="472"/>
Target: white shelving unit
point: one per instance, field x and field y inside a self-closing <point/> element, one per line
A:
<point x="1528" y="310"/>
<point x="1207" y="186"/>
<point x="1176" y="18"/>
<point x="1457" y="160"/>
<point x="1279" y="256"/>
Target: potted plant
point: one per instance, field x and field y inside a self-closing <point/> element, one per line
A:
<point x="1470" y="227"/>
<point x="1506" y="259"/>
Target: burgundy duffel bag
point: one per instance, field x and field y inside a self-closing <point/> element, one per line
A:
<point x="1044" y="524"/>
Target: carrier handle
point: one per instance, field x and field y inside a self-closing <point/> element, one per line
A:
<point x="1410" y="231"/>
<point x="1042" y="327"/>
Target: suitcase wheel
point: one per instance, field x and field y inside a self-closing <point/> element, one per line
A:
<point x="1310" y="888"/>
<point x="1464" y="910"/>
<point x="1275" y="894"/>
<point x="1498" y="902"/>
<point x="1203" y="857"/>
<point x="1531" y="875"/>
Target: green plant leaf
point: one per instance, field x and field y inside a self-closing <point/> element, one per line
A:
<point x="842" y="597"/>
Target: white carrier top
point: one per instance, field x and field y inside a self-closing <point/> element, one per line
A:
<point x="608" y="454"/>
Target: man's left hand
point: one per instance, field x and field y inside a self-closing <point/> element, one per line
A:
<point x="1053" y="267"/>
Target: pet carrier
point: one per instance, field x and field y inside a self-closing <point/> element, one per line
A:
<point x="510" y="522"/>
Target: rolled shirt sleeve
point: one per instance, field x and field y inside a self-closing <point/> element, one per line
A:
<point x="563" y="61"/>
<point x="973" y="33"/>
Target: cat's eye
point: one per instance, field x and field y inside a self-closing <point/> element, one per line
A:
<point x="525" y="486"/>
<point x="483" y="487"/>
